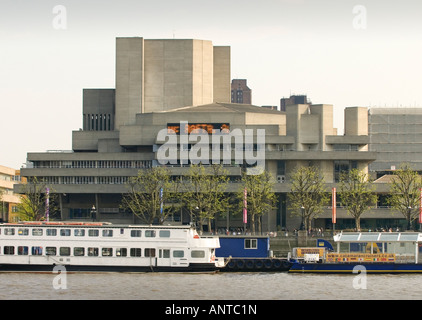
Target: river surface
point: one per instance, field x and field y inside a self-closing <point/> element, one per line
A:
<point x="213" y="286"/>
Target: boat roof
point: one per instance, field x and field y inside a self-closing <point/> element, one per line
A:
<point x="378" y="237"/>
<point x="88" y="224"/>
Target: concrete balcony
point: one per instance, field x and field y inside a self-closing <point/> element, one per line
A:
<point x="321" y="155"/>
<point x="359" y="140"/>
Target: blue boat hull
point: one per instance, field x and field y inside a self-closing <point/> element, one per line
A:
<point x="344" y="268"/>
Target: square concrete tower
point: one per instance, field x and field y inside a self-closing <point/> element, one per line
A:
<point x="163" y="74"/>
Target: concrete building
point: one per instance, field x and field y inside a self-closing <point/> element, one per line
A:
<point x="396" y="137"/>
<point x="120" y="131"/>
<point x="240" y="92"/>
<point x="293" y="99"/>
<point x="8" y="199"/>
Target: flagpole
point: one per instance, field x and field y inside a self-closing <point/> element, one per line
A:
<point x="245" y="211"/>
<point x="334" y="208"/>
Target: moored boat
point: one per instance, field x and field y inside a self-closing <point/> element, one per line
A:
<point x="370" y="252"/>
<point x="79" y="246"/>
<point x="245" y="253"/>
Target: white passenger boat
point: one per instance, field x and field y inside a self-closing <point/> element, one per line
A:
<point x="40" y="246"/>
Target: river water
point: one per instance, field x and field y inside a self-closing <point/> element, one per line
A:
<point x="212" y="286"/>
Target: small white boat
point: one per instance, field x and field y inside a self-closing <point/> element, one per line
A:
<point x="80" y="246"/>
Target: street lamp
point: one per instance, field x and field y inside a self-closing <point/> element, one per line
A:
<point x="93" y="212"/>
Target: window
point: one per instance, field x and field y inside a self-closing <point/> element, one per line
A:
<point x="93" y="252"/>
<point x="78" y="251"/>
<point x="164" y="253"/>
<point x="50" y="251"/>
<point x="135" y="233"/>
<point x="251" y="244"/>
<point x="9" y="250"/>
<point x="121" y="252"/>
<point x="23" y="231"/>
<point x="37" y="232"/>
<point x="164" y="233"/>
<point x="135" y="252"/>
<point x="22" y="251"/>
<point x="93" y="232"/>
<point x="64" y="251"/>
<point x="79" y="232"/>
<point x="150" y="233"/>
<point x="107" y="233"/>
<point x="197" y="254"/>
<point x="9" y="232"/>
<point x="107" y="252"/>
<point x="178" y="254"/>
<point x="149" y="252"/>
<point x="65" y="232"/>
<point x="36" y="251"/>
<point x="51" y="232"/>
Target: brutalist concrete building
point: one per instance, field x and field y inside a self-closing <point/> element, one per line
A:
<point x="162" y="84"/>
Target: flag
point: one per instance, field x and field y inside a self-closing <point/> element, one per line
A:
<point x="245" y="210"/>
<point x="334" y="204"/>
<point x="161" y="201"/>
<point x="47" y="204"/>
<point x="420" y="206"/>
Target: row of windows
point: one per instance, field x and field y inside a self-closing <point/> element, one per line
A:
<point x="95" y="252"/>
<point x="81" y="164"/>
<point x="82" y="232"/>
<point x="85" y="180"/>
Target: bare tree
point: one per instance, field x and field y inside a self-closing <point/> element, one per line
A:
<point x="405" y="192"/>
<point x="308" y="195"/>
<point x="150" y="195"/>
<point x="36" y="201"/>
<point x="203" y="193"/>
<point x="357" y="193"/>
<point x="260" y="197"/>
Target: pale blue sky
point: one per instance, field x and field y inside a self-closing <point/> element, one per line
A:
<point x="280" y="46"/>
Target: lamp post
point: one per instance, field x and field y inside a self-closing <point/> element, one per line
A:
<point x="93" y="213"/>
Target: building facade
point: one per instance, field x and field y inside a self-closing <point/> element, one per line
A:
<point x="155" y="91"/>
<point x="396" y="137"/>
<point x="8" y="198"/>
<point x="240" y="92"/>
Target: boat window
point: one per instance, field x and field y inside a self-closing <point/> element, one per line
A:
<point x="93" y="232"/>
<point x="251" y="244"/>
<point x="65" y="232"/>
<point x="64" y="251"/>
<point x="164" y="253"/>
<point x="150" y="233"/>
<point x="135" y="233"/>
<point x="50" y="251"/>
<point x="178" y="254"/>
<point x="9" y="250"/>
<point x="149" y="252"/>
<point x="107" y="233"/>
<point x="93" y="252"/>
<point x="164" y="233"/>
<point x="197" y="254"/>
<point x="37" y="232"/>
<point x="135" y="252"/>
<point x="23" y="231"/>
<point x="36" y="251"/>
<point x="121" y="252"/>
<point x="79" y="232"/>
<point x="51" y="232"/>
<point x="107" y="252"/>
<point x="22" y="250"/>
<point x="9" y="231"/>
<point x="78" y="251"/>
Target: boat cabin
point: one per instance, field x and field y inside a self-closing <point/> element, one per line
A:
<point x="398" y="247"/>
<point x="243" y="247"/>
